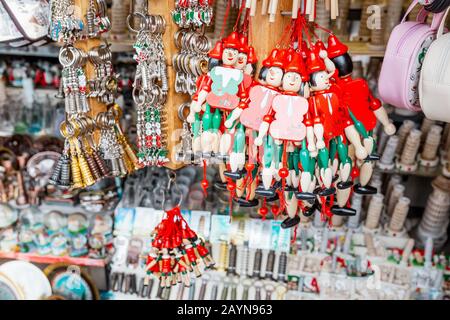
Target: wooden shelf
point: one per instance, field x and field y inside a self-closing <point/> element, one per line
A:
<point x="420" y="172"/>
<point x="362" y="48"/>
<point x="48" y="259"/>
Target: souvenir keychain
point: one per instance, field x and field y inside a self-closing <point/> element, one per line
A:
<point x="150" y="88"/>
<point x="176" y="249"/>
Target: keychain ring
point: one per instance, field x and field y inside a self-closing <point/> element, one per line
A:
<point x="181" y="109"/>
<point x="143" y="23"/>
<point x="138" y="96"/>
<point x="67" y="57"/>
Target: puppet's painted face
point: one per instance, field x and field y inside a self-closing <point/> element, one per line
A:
<point x="241" y="61"/>
<point x="292" y="81"/>
<point x="230" y="56"/>
<point x="320" y="81"/>
<point x="274" y="76"/>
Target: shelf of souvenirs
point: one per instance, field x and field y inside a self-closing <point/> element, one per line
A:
<point x="421" y="171"/>
<point x="40" y="91"/>
<point x="46" y="51"/>
<point x="50" y="259"/>
<point x="364" y="49"/>
<point x="126" y="45"/>
<point x="122" y="44"/>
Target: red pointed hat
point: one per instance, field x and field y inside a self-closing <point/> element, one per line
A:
<point x="216" y="52"/>
<point x="275" y="59"/>
<point x="304" y="50"/>
<point x="232" y="41"/>
<point x="314" y="63"/>
<point x="243" y="43"/>
<point x="251" y="55"/>
<point x="335" y="47"/>
<point x="319" y="45"/>
<point x="294" y="63"/>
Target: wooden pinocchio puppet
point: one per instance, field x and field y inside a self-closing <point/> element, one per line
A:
<point x="364" y="108"/>
<point x="332" y="130"/>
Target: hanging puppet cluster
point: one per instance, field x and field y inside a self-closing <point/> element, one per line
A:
<point x="176" y="251"/>
<point x="304" y="127"/>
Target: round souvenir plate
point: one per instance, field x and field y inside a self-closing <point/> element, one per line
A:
<point x="8" y="289"/>
<point x="29" y="278"/>
<point x="8" y="215"/>
<point x="71" y="282"/>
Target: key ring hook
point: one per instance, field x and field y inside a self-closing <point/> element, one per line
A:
<point x="181" y="109"/>
<point x="143" y="22"/>
<point x="162" y="192"/>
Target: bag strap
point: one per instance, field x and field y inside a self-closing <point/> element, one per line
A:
<point x="442" y="24"/>
<point x="408" y="11"/>
<point x="438" y="19"/>
<point x="422" y="15"/>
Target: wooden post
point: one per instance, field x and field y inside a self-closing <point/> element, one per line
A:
<point x="95" y="106"/>
<point x="264" y="34"/>
<point x="174" y="100"/>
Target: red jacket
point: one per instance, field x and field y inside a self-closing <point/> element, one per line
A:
<point x="357" y="96"/>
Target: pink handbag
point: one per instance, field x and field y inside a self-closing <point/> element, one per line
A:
<point x="406" y="49"/>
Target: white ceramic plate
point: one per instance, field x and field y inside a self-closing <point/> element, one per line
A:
<point x="29" y="278"/>
<point x="8" y="289"/>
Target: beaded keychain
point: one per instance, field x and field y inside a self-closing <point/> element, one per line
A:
<point x="83" y="162"/>
<point x="150" y="88"/>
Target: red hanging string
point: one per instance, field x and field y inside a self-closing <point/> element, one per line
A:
<point x="243" y="184"/>
<point x="225" y="18"/>
<point x="245" y="24"/>
<point x="205" y="179"/>
<point x="294" y="236"/>
<point x="304" y="26"/>
<point x="264" y="205"/>
<point x="239" y="16"/>
<point x="322" y="211"/>
<point x="318" y="26"/>
<point x="250" y="36"/>
<point x="286" y="32"/>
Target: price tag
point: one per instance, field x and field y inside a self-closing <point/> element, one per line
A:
<point x="124" y="221"/>
<point x="260" y="237"/>
<point x="145" y="220"/>
<point x="187" y="216"/>
<point x="220" y="228"/>
<point x="280" y="238"/>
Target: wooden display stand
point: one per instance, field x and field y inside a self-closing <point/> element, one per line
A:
<point x="174" y="99"/>
<point x="264" y="37"/>
<point x="86" y="45"/>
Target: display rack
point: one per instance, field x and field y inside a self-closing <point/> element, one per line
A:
<point x="49" y="259"/>
<point x="362" y="48"/>
<point x="86" y="45"/>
